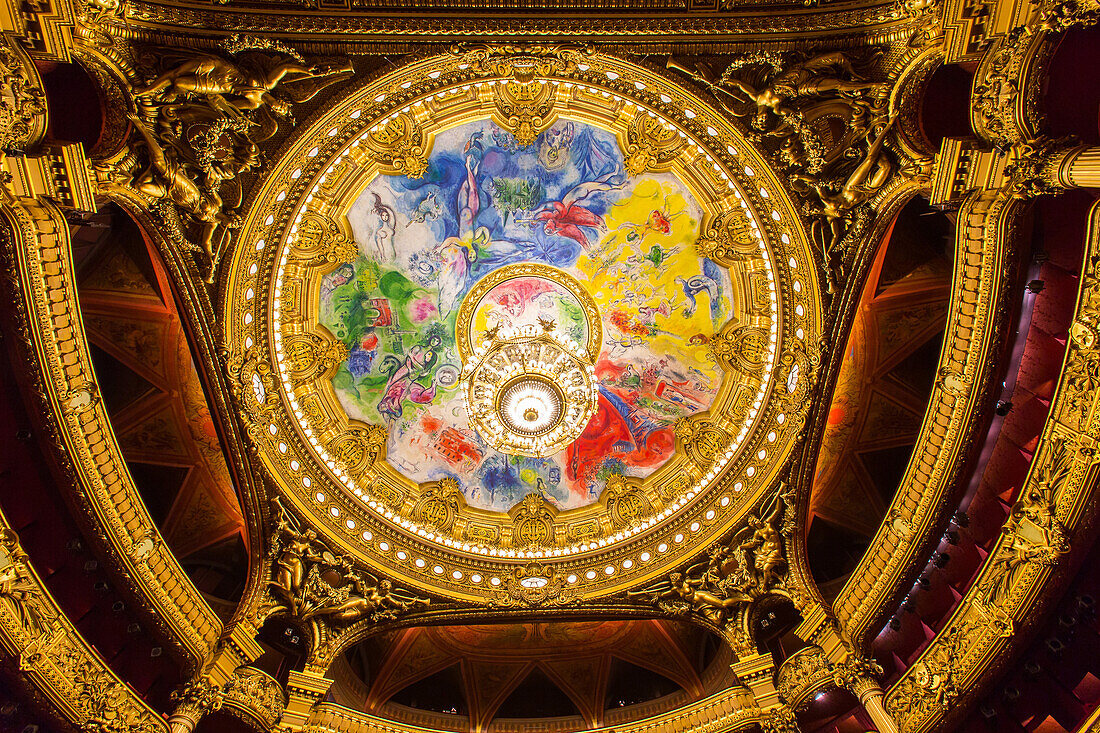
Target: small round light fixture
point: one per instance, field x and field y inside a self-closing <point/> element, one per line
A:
<point x="536" y="581"/>
<point x="529" y="392"/>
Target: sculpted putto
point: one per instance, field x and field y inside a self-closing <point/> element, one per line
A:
<point x="793" y="106"/>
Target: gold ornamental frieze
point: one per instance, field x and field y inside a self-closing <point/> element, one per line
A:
<point x="522" y="308"/>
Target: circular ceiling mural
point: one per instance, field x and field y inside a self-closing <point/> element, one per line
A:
<point x="535" y="307"/>
<point x="483" y="206"/>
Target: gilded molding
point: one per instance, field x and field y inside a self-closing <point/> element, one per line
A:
<point x="255" y="696"/>
<point x="171" y="19"/>
<point x="45" y="28"/>
<point x="983" y="255"/>
<point x="803" y="675"/>
<point x="107" y="496"/>
<point x="733" y="577"/>
<point x="55" y="659"/>
<point x="1004" y="102"/>
<point x="1052" y="513"/>
<point x="197" y="127"/>
<point x="729" y="710"/>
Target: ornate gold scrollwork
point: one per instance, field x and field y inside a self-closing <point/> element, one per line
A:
<point x="254" y="695"/>
<point x="627" y="504"/>
<point x="533" y="522"/>
<point x="439" y="505"/>
<point x="320" y="242"/>
<point x="1060" y="16"/>
<point x="803" y="675"/>
<point x="650" y="146"/>
<point x="780" y="720"/>
<point x="253" y="383"/>
<point x="360" y="447"/>
<point x="524" y="108"/>
<point x="47" y="646"/>
<point x="727" y="239"/>
<point x="19" y="591"/>
<point x="533" y="584"/>
<point x="797" y="373"/>
<point x="809" y="672"/>
<point x="1031" y="168"/>
<point x="313" y="356"/>
<point x="523" y="63"/>
<point x="400" y="146"/>
<point x="932" y="683"/>
<point x="790" y="102"/>
<point x="996" y="105"/>
<point x="1033" y="533"/>
<point x="701" y="439"/>
<point x="743" y="348"/>
<point x="196" y="699"/>
<point x="22" y="103"/>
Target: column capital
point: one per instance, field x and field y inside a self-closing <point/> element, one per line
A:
<point x="194" y="700"/>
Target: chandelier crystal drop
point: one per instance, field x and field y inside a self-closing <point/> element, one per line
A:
<point x="528" y="391"/>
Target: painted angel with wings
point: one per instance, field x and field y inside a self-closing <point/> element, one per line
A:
<point x="568" y="218"/>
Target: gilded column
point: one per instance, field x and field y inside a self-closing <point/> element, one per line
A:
<point x="870" y="695"/>
<point x="194" y="700"/>
<point x="1075" y="168"/>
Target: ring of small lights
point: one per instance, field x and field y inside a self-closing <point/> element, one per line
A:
<point x="260" y="312"/>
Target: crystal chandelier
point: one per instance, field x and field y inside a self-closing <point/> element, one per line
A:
<point x="528" y="391"/>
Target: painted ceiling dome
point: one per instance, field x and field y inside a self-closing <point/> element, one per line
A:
<point x="527" y="307"/>
<point x="570" y="242"/>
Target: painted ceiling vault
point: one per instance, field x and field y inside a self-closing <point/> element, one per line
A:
<point x="619" y="277"/>
<point x="648" y="366"/>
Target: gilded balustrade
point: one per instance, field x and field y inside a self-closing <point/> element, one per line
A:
<point x="730" y="709"/>
<point x="55" y="659"/>
<point x="105" y="492"/>
<point x="979" y="297"/>
<point x="1050" y="518"/>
